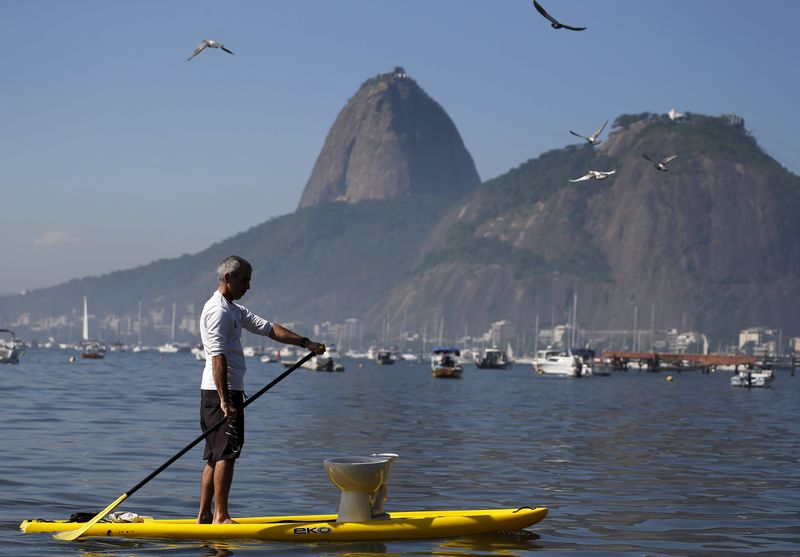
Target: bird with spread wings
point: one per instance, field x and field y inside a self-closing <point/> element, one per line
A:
<point x="592" y="139"/>
<point x="554" y="23"/>
<point x="594" y="175"/>
<point x="662" y="164"/>
<point x="207" y="43"/>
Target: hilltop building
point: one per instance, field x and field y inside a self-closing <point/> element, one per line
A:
<point x="734" y="120"/>
<point x="675" y="115"/>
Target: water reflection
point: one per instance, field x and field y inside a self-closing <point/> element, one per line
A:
<point x="499" y="543"/>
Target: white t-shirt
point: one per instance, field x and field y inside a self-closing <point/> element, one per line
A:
<point x="221" y="326"/>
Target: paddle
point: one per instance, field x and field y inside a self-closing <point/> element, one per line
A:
<point x="72" y="535"/>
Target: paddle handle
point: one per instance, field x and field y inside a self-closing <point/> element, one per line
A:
<point x="216" y="426"/>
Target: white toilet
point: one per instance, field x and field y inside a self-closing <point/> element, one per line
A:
<point x="362" y="480"/>
<point x="379" y="496"/>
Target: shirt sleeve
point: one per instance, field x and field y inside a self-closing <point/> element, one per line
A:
<point x="217" y="322"/>
<point x="254" y="323"/>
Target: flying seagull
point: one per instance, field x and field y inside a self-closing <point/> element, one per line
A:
<point x="662" y="164"/>
<point x="592" y="139"/>
<point x="594" y="175"/>
<point x="554" y="23"/>
<point x="210" y="44"/>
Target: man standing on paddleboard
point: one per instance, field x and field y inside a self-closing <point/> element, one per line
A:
<point x="222" y="388"/>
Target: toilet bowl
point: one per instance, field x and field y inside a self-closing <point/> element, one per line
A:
<point x="378" y="497"/>
<point x="362" y="480"/>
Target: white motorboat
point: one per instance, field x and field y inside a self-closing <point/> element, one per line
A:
<point x="198" y="353"/>
<point x="168" y="348"/>
<point x="446" y="362"/>
<point x="324" y="362"/>
<point x="748" y="378"/>
<point x="9" y="349"/>
<point x="118" y="347"/>
<point x="556" y="362"/>
<point x="493" y="358"/>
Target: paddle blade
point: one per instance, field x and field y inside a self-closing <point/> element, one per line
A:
<point x="72" y="535"/>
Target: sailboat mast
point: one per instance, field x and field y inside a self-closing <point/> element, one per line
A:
<point x="85" y="319"/>
<point x="574" y="318"/>
<point x="652" y="324"/>
<point x="173" y="322"/>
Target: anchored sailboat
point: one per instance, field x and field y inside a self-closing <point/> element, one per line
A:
<point x="90" y="349"/>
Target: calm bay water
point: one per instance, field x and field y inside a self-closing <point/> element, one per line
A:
<point x="627" y="464"/>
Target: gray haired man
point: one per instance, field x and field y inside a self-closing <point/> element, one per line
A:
<point x="222" y="387"/>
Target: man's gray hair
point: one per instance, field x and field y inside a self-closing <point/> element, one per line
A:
<point x="232" y="265"/>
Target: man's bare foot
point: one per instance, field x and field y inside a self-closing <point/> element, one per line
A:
<point x="228" y="520"/>
<point x="205" y="519"/>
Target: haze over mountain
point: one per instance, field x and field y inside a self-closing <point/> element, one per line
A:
<point x="393" y="226"/>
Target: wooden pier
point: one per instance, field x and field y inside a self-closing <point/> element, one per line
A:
<point x="654" y="360"/>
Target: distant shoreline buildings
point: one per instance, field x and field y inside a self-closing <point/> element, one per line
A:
<point x="154" y="326"/>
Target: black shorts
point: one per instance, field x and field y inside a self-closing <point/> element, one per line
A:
<point x="218" y="443"/>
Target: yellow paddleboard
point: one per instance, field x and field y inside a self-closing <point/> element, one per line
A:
<point x="314" y="528"/>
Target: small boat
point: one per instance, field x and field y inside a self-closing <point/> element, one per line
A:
<point x="168" y="348"/>
<point x="323" y="362"/>
<point x="198" y="353"/>
<point x="446" y="362"/>
<point x="9" y="349"/>
<point x="493" y="358"/>
<point x="587" y="357"/>
<point x="171" y="347"/>
<point x="118" y="347"/>
<point x="412" y="358"/>
<point x="412" y="525"/>
<point x="555" y="362"/>
<point x="385" y="357"/>
<point x="333" y="352"/>
<point x="749" y="378"/>
<point x="92" y="350"/>
<point x="270" y="357"/>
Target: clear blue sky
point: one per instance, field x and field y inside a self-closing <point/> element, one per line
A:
<point x="115" y="151"/>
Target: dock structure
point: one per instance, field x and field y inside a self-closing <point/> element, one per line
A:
<point x="621" y="360"/>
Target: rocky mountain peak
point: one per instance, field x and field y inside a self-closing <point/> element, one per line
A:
<point x="390" y="140"/>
